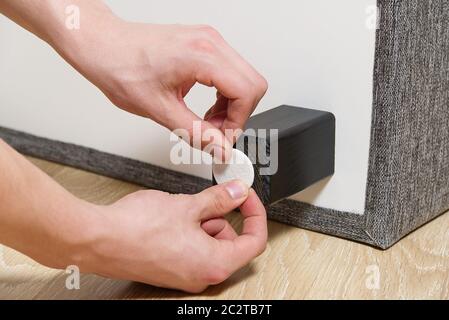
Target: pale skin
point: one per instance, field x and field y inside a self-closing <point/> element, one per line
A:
<point x="174" y="241"/>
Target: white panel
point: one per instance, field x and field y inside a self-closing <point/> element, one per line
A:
<point x="316" y="54"/>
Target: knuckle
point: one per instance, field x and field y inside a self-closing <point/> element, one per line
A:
<point x="251" y="89"/>
<point x="202" y="45"/>
<point x="256" y="88"/>
<point x="219" y="201"/>
<point x="215" y="275"/>
<point x="263" y="84"/>
<point x="209" y="31"/>
<point x="205" y="40"/>
<point x="195" y="288"/>
<point x="261" y="247"/>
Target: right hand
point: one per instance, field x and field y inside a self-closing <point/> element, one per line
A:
<point x="179" y="241"/>
<point x="148" y="69"/>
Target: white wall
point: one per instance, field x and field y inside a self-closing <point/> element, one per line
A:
<point x="314" y="53"/>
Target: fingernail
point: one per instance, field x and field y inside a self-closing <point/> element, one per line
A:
<point x="237" y="189"/>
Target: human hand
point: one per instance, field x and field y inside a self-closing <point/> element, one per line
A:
<point x="178" y="241"/>
<point x="148" y="69"/>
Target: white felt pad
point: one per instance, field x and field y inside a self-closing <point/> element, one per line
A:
<point x="239" y="167"/>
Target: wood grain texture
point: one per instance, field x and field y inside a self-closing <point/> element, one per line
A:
<point x="297" y="264"/>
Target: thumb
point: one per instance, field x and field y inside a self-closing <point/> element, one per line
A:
<point x="202" y="134"/>
<point x="221" y="199"/>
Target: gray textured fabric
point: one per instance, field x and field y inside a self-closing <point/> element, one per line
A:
<point x="342" y="224"/>
<point x="408" y="179"/>
<point x="408" y="175"/>
<point x="113" y="166"/>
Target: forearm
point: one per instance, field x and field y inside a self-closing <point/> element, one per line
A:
<point x="38" y="217"/>
<point x="47" y="18"/>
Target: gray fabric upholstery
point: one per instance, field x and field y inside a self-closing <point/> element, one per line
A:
<point x="408" y="178"/>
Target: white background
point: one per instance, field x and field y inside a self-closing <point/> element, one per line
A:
<point x="314" y="53"/>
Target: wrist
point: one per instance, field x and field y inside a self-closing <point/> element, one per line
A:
<point x="81" y="240"/>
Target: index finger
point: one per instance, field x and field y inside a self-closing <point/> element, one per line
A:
<point x="234" y="254"/>
<point x="239" y="110"/>
<point x="236" y="81"/>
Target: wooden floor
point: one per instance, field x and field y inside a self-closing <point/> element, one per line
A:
<point x="297" y="264"/>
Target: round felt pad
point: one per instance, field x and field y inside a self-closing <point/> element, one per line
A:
<point x="239" y="167"/>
